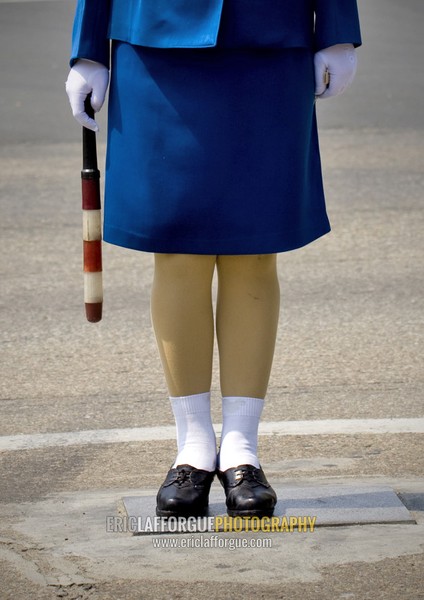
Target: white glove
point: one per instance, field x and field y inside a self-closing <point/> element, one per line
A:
<point x="87" y="76"/>
<point x="340" y="63"/>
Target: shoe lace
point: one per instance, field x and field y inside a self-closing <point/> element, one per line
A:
<point x="244" y="475"/>
<point x="182" y="476"/>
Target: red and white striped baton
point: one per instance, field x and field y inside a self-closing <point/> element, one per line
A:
<point x="92" y="224"/>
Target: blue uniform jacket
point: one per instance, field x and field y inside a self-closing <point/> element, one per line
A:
<point x="313" y="24"/>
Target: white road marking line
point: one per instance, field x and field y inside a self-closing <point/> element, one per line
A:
<point x="149" y="434"/>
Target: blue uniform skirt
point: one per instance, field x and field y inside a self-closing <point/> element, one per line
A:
<point x="212" y="151"/>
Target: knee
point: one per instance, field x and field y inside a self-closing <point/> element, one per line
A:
<point x="248" y="267"/>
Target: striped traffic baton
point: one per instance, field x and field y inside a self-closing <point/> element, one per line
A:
<point x="92" y="226"/>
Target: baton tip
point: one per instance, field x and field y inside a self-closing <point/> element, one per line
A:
<point x="93" y="311"/>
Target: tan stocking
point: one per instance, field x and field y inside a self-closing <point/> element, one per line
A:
<point x="182" y="316"/>
<point x="246" y="322"/>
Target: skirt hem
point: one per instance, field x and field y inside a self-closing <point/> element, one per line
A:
<point x="271" y="245"/>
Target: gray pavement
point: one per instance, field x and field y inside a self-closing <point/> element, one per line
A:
<point x="349" y="347"/>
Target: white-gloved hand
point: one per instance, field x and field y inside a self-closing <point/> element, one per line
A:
<point x="340" y="63"/>
<point x="87" y="76"/>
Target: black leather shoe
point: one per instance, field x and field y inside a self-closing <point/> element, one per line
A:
<point x="184" y="493"/>
<point x="248" y="492"/>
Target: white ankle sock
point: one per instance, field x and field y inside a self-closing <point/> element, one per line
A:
<point x="239" y="438"/>
<point x="195" y="434"/>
